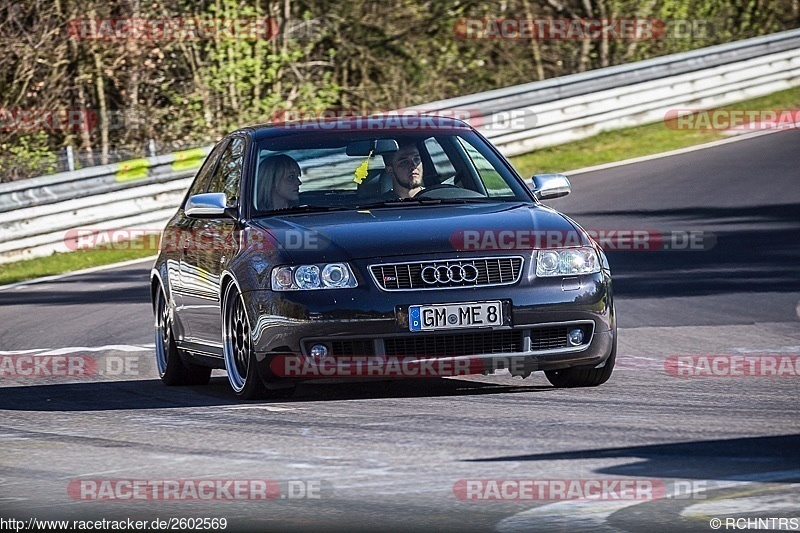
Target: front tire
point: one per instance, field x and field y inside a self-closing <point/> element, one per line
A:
<point x="584" y="376"/>
<point x="171" y="369"/>
<point x="240" y="358"/>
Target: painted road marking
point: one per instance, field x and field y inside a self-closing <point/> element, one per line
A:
<point x="582" y="514"/>
<point x="80" y="349"/>
<point x="272" y="408"/>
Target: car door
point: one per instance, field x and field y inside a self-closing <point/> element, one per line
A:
<point x="179" y="237"/>
<point x="214" y="244"/>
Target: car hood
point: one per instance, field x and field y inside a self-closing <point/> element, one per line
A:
<point x="415" y="230"/>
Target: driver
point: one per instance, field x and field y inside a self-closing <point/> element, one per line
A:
<point x="405" y="168"/>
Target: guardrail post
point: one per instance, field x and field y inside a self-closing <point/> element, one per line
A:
<point x="70" y="158"/>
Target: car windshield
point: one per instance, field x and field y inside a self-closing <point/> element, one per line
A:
<point x="325" y="171"/>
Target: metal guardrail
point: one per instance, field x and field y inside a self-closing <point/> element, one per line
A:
<point x="577" y="106"/>
<point x="37" y="214"/>
<point x="99" y="179"/>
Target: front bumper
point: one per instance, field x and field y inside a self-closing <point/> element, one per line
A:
<point x="368" y="322"/>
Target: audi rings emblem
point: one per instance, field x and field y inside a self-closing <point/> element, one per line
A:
<point x="449" y="274"/>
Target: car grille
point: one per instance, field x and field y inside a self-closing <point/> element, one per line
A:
<point x="353" y="347"/>
<point x="555" y="337"/>
<point x="409" y="276"/>
<point x="439" y="345"/>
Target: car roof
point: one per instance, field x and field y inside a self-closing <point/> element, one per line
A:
<point x="396" y="123"/>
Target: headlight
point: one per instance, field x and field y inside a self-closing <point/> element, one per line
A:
<point x="336" y="275"/>
<point x="312" y="277"/>
<point x="307" y="277"/>
<point x="567" y="262"/>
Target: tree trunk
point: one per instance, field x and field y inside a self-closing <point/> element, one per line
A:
<point x="537" y="52"/>
<point x="586" y="44"/>
<point x="86" y="134"/>
<point x="601" y="6"/>
<point x="102" y="109"/>
<point x="134" y="57"/>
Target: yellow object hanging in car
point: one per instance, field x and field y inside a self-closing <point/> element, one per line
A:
<point x="362" y="170"/>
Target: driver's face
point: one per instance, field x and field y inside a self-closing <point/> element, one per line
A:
<point x="407" y="167"/>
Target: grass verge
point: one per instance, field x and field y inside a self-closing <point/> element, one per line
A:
<point x="61" y="263"/>
<point x="639" y="141"/>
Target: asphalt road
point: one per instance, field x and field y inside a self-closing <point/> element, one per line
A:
<point x="396" y="456"/>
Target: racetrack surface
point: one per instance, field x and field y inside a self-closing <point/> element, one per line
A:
<point x="390" y="455"/>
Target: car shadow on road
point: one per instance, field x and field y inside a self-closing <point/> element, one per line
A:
<point x="729" y="459"/>
<point x="115" y="294"/>
<point x="126" y="285"/>
<point x="747" y="249"/>
<point x="688" y="482"/>
<point x="152" y="394"/>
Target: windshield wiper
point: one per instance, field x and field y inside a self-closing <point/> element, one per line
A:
<point x="307" y="209"/>
<point x="469" y="200"/>
<point x="401" y="202"/>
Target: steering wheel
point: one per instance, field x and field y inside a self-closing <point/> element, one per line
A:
<point x="444" y="191"/>
<point x="441" y="186"/>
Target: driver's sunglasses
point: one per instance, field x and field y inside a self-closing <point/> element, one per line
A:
<point x="409" y="162"/>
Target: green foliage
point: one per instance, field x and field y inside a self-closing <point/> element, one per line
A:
<point x="26" y="156"/>
<point x="358" y="56"/>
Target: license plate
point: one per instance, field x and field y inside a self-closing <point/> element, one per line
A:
<point x="453" y="316"/>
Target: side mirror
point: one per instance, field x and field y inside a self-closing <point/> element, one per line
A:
<point x="207" y="205"/>
<point x="546" y="186"/>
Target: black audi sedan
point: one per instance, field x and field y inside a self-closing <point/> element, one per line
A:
<point x="375" y="247"/>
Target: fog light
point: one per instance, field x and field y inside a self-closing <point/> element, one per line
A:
<point x="575" y="337"/>
<point x="318" y="351"/>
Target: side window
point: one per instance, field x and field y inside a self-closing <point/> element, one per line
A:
<point x="200" y="184"/>
<point x="229" y="171"/>
<point x="441" y="163"/>
<point x="494" y="183"/>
